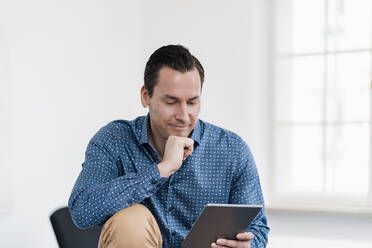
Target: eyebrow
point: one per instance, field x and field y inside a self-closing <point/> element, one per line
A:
<point x="176" y="99"/>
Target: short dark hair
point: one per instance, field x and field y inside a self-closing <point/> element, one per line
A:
<point x="176" y="57"/>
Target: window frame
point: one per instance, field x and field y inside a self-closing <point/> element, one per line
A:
<point x="309" y="201"/>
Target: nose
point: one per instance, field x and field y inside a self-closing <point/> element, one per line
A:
<point x="182" y="113"/>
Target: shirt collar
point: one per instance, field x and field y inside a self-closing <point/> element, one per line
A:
<point x="144" y="132"/>
<point x="196" y="133"/>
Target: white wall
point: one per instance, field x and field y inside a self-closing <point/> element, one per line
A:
<point x="71" y="67"/>
<point x="320" y="230"/>
<point x="5" y="134"/>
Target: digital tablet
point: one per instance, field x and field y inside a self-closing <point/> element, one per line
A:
<point x="220" y="221"/>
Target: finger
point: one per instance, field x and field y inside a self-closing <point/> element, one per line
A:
<point x="229" y="243"/>
<point x="186" y="154"/>
<point x="185" y="143"/>
<point x="189" y="144"/>
<point x="213" y="245"/>
<point x="245" y="236"/>
<point x="188" y="148"/>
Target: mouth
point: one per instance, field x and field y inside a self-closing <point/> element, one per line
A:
<point x="178" y="127"/>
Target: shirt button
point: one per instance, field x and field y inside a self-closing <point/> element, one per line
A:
<point x="173" y="233"/>
<point x="171" y="208"/>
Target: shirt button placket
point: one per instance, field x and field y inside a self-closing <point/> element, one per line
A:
<point x="171" y="212"/>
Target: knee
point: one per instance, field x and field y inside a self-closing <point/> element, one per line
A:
<point x="134" y="214"/>
<point x="132" y="226"/>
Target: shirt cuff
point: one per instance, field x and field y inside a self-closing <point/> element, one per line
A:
<point x="151" y="179"/>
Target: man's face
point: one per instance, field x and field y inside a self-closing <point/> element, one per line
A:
<point x="175" y="103"/>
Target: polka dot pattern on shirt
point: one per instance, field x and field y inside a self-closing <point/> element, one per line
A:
<point x="120" y="169"/>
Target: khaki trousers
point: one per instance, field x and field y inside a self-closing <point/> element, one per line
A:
<point x="132" y="227"/>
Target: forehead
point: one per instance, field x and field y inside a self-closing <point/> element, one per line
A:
<point x="178" y="84"/>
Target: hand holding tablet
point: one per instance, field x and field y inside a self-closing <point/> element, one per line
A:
<point x="220" y="221"/>
<point x="243" y="240"/>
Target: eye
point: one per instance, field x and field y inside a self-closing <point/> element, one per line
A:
<point x="193" y="102"/>
<point x="170" y="103"/>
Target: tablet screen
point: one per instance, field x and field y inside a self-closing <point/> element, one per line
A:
<point x="220" y="221"/>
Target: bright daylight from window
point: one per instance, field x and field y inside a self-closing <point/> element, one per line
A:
<point x="322" y="87"/>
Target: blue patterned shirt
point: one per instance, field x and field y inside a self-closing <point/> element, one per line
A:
<point x="120" y="169"/>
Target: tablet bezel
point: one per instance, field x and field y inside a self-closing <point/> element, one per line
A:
<point x="199" y="223"/>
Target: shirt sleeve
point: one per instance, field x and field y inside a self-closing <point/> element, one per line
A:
<point x="246" y="189"/>
<point x="100" y="191"/>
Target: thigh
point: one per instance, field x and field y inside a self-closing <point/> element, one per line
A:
<point x="134" y="226"/>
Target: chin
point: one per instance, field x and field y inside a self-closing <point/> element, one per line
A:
<point x="180" y="133"/>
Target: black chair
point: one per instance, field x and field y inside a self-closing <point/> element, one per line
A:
<point x="70" y="236"/>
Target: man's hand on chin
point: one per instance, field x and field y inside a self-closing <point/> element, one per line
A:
<point x="243" y="241"/>
<point x="177" y="149"/>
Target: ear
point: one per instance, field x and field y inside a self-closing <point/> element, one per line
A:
<point x="145" y="97"/>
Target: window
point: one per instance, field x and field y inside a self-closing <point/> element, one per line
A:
<point x="322" y="104"/>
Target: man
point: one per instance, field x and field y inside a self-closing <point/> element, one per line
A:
<point x="148" y="179"/>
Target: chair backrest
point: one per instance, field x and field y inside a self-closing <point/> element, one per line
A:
<point x="70" y="236"/>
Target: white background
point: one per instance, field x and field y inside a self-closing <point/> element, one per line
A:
<point x="69" y="67"/>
